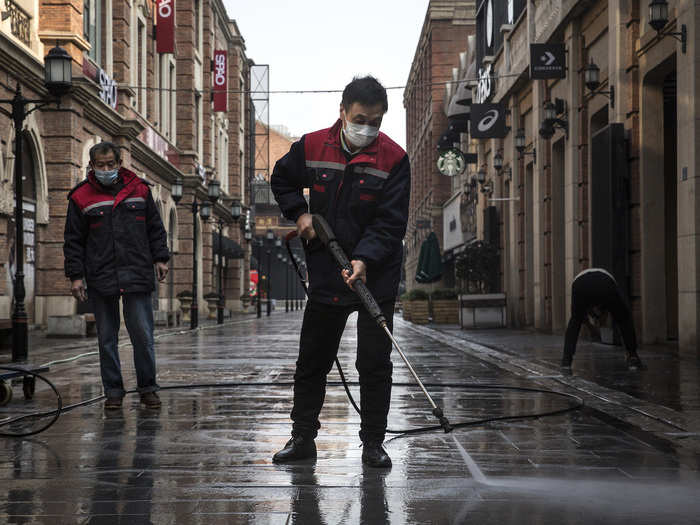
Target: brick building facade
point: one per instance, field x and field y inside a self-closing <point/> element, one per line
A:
<point x="444" y="34"/>
<point x="155" y="106"/>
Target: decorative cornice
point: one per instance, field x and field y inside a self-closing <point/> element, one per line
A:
<point x="51" y="37"/>
<point x="85" y="92"/>
<point x="131" y="129"/>
<point x="17" y="62"/>
<point x="155" y="162"/>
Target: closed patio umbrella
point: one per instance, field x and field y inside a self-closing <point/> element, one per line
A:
<point x="429" y="269"/>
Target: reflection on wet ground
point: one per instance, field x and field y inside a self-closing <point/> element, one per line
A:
<point x="672" y="378"/>
<point x="205" y="456"/>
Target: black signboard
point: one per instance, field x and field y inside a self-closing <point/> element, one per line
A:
<point x="547" y="61"/>
<point x="488" y="121"/>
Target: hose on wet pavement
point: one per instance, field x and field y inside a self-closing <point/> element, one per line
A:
<point x="60" y="409"/>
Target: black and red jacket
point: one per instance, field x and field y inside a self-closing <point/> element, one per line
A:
<point x="112" y="241"/>
<point x="365" y="200"/>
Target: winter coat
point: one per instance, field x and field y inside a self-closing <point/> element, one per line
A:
<point x="365" y="200"/>
<point x="112" y="241"/>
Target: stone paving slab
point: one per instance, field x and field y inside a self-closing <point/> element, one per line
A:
<point x="205" y="457"/>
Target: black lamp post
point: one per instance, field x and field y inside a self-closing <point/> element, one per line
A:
<point x="204" y="210"/>
<point x="58" y="80"/>
<point x="259" y="245"/>
<point x="270" y="237"/>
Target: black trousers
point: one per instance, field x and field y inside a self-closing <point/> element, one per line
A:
<point x="598" y="289"/>
<point x="321" y="332"/>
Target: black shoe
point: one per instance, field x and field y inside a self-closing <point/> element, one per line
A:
<point x="374" y="455"/>
<point x="113" y="403"/>
<point x="297" y="448"/>
<point x="634" y="363"/>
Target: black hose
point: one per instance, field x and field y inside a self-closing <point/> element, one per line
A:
<point x="56" y="413"/>
<point x="474" y="386"/>
<point x="400" y="432"/>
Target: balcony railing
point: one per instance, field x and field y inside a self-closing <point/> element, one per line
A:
<point x="19" y="21"/>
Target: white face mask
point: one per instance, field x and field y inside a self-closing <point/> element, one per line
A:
<point x="360" y="135"/>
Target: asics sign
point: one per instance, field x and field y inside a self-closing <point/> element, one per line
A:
<point x="487" y="121"/>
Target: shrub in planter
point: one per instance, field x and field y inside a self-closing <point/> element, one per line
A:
<point x="445" y="306"/>
<point x="415" y="304"/>
<point x="478" y="266"/>
<point x="483" y="306"/>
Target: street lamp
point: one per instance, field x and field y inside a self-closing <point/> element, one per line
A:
<point x="591" y="77"/>
<point x="498" y="161"/>
<point x="552" y="120"/>
<point x="214" y="193"/>
<point x="204" y="210"/>
<point x="658" y="18"/>
<point x="58" y="80"/>
<point x="270" y="236"/>
<point x="259" y="244"/>
<point x="520" y="145"/>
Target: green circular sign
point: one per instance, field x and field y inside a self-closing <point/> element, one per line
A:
<point x="451" y="162"/>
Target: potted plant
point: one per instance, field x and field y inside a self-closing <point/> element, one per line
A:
<point x="482" y="306"/>
<point x="185" y="298"/>
<point x="212" y="299"/>
<point x="415" y="306"/>
<point x="445" y="306"/>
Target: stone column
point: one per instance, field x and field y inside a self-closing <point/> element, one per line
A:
<point x="688" y="86"/>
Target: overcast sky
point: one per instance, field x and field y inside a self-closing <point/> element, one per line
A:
<point x="313" y="44"/>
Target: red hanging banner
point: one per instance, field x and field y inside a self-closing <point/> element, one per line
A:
<point x="220" y="80"/>
<point x="165" y="29"/>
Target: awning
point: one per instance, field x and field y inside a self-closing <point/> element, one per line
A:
<point x="429" y="269"/>
<point x="229" y="248"/>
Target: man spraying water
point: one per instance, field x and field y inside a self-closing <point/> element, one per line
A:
<point x="359" y="181"/>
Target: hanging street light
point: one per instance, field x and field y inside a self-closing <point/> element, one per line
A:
<point x="58" y="81"/>
<point x="658" y="19"/>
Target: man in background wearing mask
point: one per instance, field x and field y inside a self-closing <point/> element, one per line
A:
<point x="113" y="237"/>
<point x="359" y="180"/>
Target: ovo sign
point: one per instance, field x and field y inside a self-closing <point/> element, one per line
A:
<point x="220" y="80"/>
<point x="165" y="28"/>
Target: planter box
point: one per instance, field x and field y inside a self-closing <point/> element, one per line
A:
<point x="418" y="311"/>
<point x="66" y="326"/>
<point x="482" y="310"/>
<point x="406" y="310"/>
<point x="446" y="311"/>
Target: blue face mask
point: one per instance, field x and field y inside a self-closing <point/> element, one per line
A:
<point x="107" y="178"/>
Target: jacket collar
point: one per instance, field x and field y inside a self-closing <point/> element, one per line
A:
<point x="129" y="178"/>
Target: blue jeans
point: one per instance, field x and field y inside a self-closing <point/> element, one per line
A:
<point x="138" y="316"/>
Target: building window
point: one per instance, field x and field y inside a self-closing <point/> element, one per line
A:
<point x="141" y="65"/>
<point x="172" y="100"/>
<point x="92" y="29"/>
<point x="198" y="25"/>
<point x="198" y="125"/>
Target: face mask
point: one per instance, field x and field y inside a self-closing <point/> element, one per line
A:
<point x="107" y="178"/>
<point x="360" y="135"/>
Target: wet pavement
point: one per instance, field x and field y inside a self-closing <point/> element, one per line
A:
<point x="205" y="456"/>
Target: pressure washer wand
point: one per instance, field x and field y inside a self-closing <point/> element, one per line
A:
<point x="327" y="237"/>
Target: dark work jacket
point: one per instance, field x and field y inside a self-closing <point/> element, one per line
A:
<point x="112" y="241"/>
<point x="365" y="200"/>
